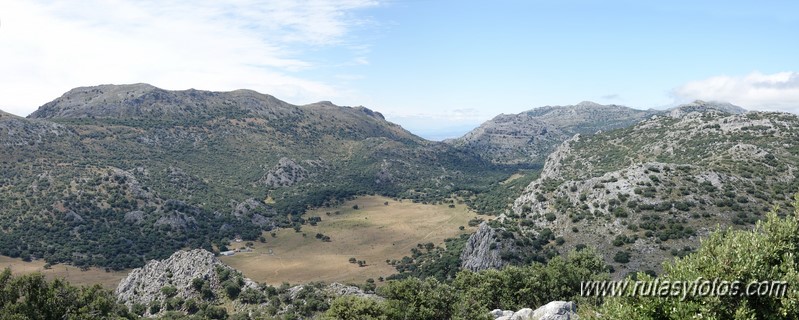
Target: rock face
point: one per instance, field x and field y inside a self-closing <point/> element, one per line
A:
<point x="285" y="173"/>
<point x="258" y="212"/>
<point x="338" y="289"/>
<point x="555" y="310"/>
<point x="143" y="285"/>
<point x="478" y="253"/>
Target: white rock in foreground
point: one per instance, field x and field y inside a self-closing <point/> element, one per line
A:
<point x="555" y="310"/>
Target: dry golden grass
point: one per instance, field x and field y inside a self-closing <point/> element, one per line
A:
<point x="74" y="275"/>
<point x="512" y="177"/>
<point x="373" y="233"/>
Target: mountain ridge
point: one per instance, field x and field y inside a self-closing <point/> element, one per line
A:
<point x="527" y="137"/>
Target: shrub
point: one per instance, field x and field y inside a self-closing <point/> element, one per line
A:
<point x="622" y="257"/>
<point x="769" y="252"/>
<point x="354" y="308"/>
<point x="251" y="296"/>
<point x="232" y="289"/>
<point x="169" y="291"/>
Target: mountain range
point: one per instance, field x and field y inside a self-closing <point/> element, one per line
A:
<point x="116" y="175"/>
<point x="102" y="174"/>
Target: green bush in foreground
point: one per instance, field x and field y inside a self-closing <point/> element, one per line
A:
<point x="473" y="294"/>
<point x="33" y="297"/>
<point x="769" y="252"/>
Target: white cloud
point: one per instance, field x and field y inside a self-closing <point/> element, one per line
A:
<point x="755" y="91"/>
<point x="51" y="47"/>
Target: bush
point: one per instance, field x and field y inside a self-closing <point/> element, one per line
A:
<point x="169" y="291"/>
<point x="769" y="252"/>
<point x="251" y="296"/>
<point x="232" y="289"/>
<point x="32" y="296"/>
<point x="622" y="257"/>
<point x="472" y="294"/>
<point x="354" y="308"/>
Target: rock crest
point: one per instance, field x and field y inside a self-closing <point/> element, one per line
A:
<point x="143" y="285"/>
<point x="478" y="253"/>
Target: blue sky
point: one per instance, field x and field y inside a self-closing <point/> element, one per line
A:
<point x="438" y="68"/>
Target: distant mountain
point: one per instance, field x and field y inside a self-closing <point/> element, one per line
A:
<point x="115" y="175"/>
<point x="645" y="193"/>
<point x="705" y="106"/>
<point x="528" y="137"/>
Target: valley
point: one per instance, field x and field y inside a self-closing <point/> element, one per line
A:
<point x="374" y="233"/>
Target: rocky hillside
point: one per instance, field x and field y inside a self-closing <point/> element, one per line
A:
<point x="649" y="192"/>
<point x="101" y="174"/>
<point x="196" y="282"/>
<point x="527" y="138"/>
<point x="173" y="279"/>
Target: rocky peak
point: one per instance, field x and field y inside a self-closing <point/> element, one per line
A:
<point x="589" y="104"/>
<point x="704" y="107"/>
<point x="144" y="101"/>
<point x="482" y="250"/>
<point x="370" y="113"/>
<point x="529" y="136"/>
<point x="144" y="285"/>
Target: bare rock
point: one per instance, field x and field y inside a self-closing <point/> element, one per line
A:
<point x="284" y="174"/>
<point x="555" y="310"/>
<point x="134" y="217"/>
<point x="143" y="285"/>
<point x="478" y="253"/>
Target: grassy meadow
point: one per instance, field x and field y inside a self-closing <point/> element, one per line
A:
<point x="374" y="233"/>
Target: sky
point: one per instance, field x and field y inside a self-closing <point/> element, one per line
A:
<point x="438" y="68"/>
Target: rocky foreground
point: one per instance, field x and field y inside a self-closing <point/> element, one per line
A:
<point x="197" y="277"/>
<point x="555" y="310"/>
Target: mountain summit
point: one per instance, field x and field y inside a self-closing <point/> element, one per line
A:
<point x="528" y="137"/>
<point x="705" y="106"/>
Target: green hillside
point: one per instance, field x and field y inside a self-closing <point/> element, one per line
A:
<point x="116" y="175"/>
